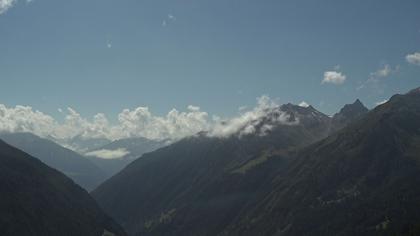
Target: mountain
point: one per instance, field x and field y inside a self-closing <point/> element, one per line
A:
<point x="300" y="179"/>
<point x="348" y="114"/>
<point x="72" y="164"/>
<point x="129" y="149"/>
<point x="38" y="200"/>
<point x="200" y="183"/>
<point x="362" y="180"/>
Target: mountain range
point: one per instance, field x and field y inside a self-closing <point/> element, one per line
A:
<point x="293" y="171"/>
<point x="200" y="185"/>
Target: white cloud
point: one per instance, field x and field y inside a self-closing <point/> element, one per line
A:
<point x="413" y="58"/>
<point x="375" y="77"/>
<point x="175" y="125"/>
<point x="247" y="122"/>
<point x="140" y="122"/>
<point x="109" y="154"/>
<point x="381" y="102"/>
<point x="303" y="104"/>
<point x="334" y="77"/>
<point x="6" y="5"/>
<point x="169" y="18"/>
<point x="382" y="72"/>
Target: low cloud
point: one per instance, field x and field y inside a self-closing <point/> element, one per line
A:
<point x="247" y="122"/>
<point x="138" y="122"/>
<point x="109" y="154"/>
<point x="334" y="77"/>
<point x="413" y="58"/>
<point x="6" y="5"/>
<point x="381" y="102"/>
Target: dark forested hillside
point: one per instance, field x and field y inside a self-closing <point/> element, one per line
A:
<point x="38" y="200"/>
<point x="72" y="164"/>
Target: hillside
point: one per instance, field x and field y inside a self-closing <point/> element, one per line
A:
<point x="72" y="164"/>
<point x="38" y="200"/>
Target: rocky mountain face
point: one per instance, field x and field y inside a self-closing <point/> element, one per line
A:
<point x="72" y="164"/>
<point x="38" y="200"/>
<point x="197" y="185"/>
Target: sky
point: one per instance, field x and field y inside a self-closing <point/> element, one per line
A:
<point x="205" y="56"/>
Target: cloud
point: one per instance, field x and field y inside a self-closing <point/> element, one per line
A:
<point x="169" y="18"/>
<point x="174" y="125"/>
<point x="375" y="77"/>
<point x="109" y="154"/>
<point x="303" y="104"/>
<point x="383" y="72"/>
<point x="6" y="5"/>
<point x="413" y="58"/>
<point x="381" y="102"/>
<point x="334" y="77"/>
<point x="247" y="122"/>
<point x="141" y="122"/>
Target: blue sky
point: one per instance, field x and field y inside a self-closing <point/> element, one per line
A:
<point x="107" y="55"/>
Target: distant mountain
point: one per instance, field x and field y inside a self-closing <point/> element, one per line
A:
<point x="38" y="200"/>
<point x="362" y="180"/>
<point x="199" y="183"/>
<point x="131" y="149"/>
<point x="348" y="114"/>
<point x="72" y="164"/>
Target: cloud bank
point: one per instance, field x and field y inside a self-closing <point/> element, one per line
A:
<point x="139" y="122"/>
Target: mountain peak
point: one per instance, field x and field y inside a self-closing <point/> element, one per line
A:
<point x="354" y="109"/>
<point x="358" y="102"/>
<point x="349" y="113"/>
